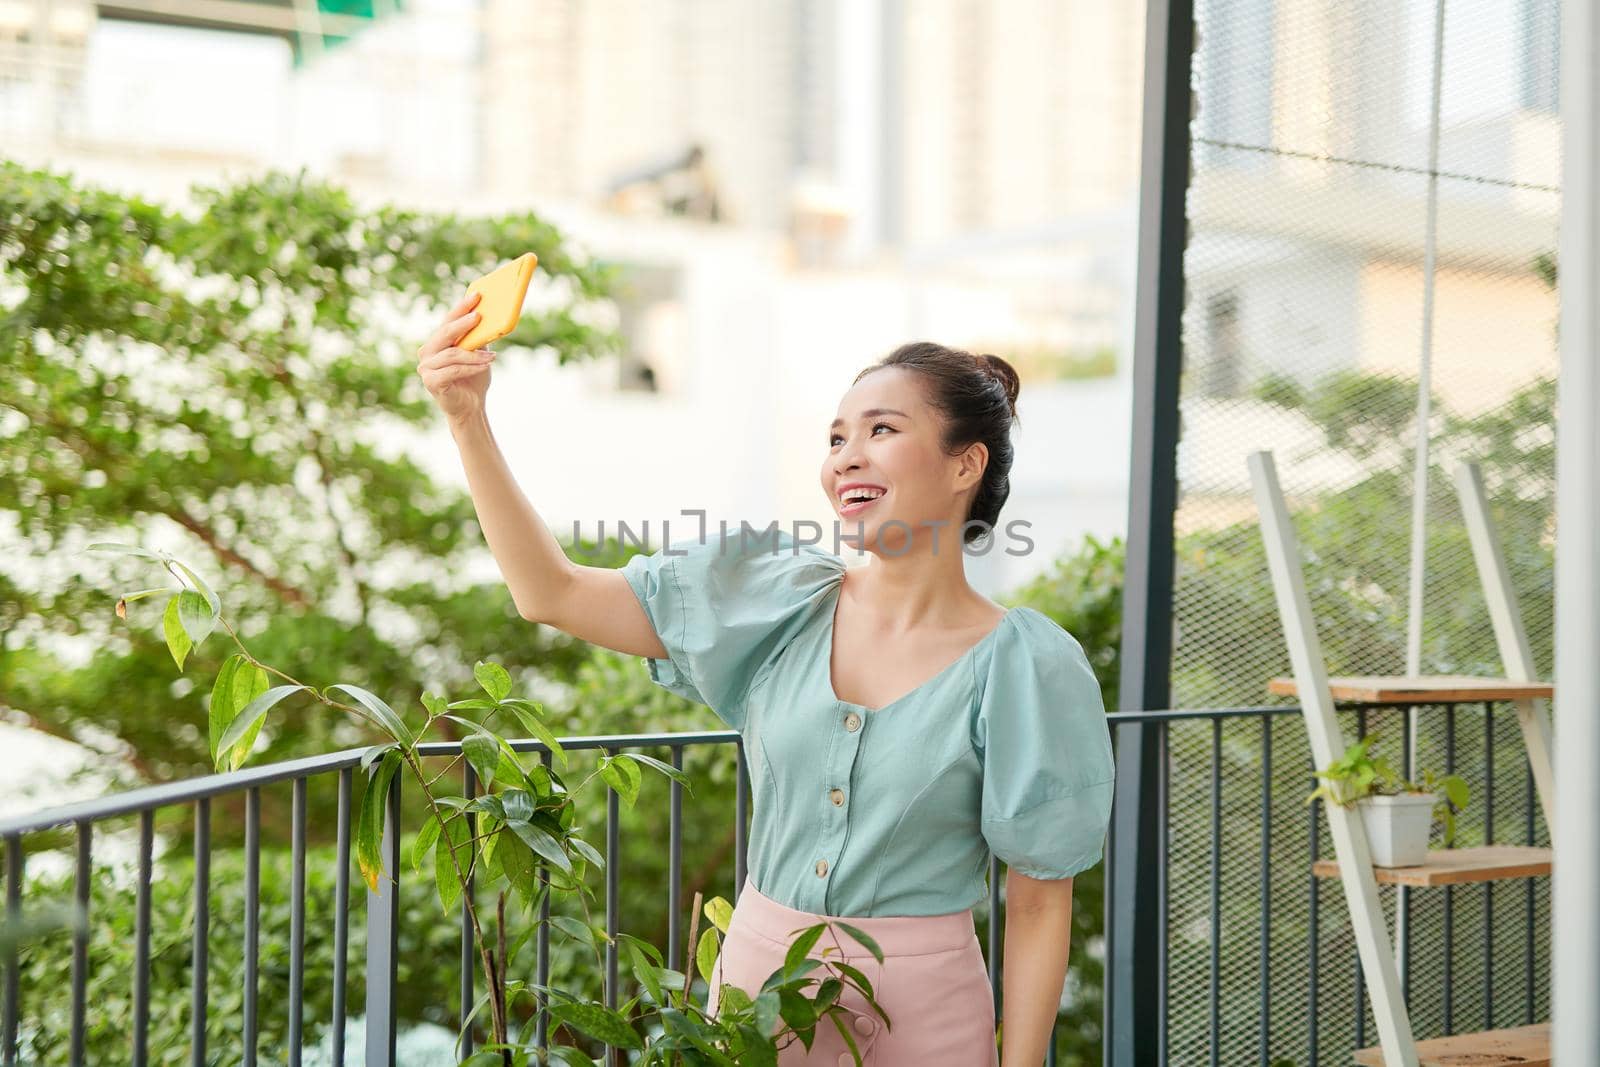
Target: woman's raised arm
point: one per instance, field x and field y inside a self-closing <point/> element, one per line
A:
<point x="591" y="603"/>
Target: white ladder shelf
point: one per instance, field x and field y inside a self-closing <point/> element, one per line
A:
<point x="1525" y="1046"/>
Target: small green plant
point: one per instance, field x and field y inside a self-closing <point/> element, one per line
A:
<point x="1360" y="773"/>
<point x="522" y="835"/>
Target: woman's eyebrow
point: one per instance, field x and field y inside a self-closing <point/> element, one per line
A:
<point x="870" y="412"/>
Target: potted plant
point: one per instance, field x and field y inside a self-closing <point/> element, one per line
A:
<point x="1396" y="812"/>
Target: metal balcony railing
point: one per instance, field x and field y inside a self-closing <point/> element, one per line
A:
<point x="1243" y="971"/>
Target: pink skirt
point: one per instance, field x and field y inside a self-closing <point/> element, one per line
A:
<point x="933" y="985"/>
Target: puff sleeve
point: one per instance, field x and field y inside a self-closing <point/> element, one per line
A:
<point x="724" y="608"/>
<point x="1045" y="745"/>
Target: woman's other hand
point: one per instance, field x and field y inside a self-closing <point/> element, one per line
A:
<point x="457" y="378"/>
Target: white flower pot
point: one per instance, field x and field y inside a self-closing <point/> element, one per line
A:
<point x="1397" y="827"/>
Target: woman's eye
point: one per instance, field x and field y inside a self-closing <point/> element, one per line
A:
<point x="835" y="439"/>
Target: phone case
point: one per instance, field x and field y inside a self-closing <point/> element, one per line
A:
<point x="503" y="291"/>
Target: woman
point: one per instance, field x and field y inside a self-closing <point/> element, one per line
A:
<point x="900" y="725"/>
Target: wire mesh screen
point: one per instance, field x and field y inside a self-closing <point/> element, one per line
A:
<point x="1330" y="271"/>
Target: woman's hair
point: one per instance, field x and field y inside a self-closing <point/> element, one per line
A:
<point x="977" y="395"/>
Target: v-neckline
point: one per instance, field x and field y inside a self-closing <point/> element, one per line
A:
<point x="831" y="615"/>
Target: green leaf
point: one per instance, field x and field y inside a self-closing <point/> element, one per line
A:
<point x="249" y="721"/>
<point x="494" y="679"/>
<point x="434" y="703"/>
<point x="587" y="851"/>
<point x="212" y="600"/>
<point x="483" y="752"/>
<point x="379" y="713"/>
<point x="516" y="862"/>
<point x="178" y="641"/>
<point x="445" y="877"/>
<point x="578" y="929"/>
<point x="797" y="1010"/>
<point x="517" y="804"/>
<point x="424" y="840"/>
<point x="844" y="1032"/>
<point x="599" y="1022"/>
<point x="802" y="944"/>
<point x="623" y="776"/>
<point x="861" y="936"/>
<point x="720" y="912"/>
<point x="733" y="999"/>
<point x="124" y="550"/>
<point x="531" y="721"/>
<point x="542" y="843"/>
<point x="509" y="768"/>
<point x="241" y="750"/>
<point x="759" y="1050"/>
<point x="767" y="1013"/>
<point x="195" y="615"/>
<point x="488" y="802"/>
<point x="238" y="683"/>
<point x="786" y="975"/>
<point x="567" y="1055"/>
<point x="705" y="954"/>
<point x="644" y="971"/>
<point x="665" y="768"/>
<point x="649" y="950"/>
<point x="862" y="982"/>
<point x="369" y="825"/>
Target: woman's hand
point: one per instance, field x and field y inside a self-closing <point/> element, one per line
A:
<point x="457" y="378"/>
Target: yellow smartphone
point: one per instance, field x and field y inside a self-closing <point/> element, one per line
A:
<point x="503" y="289"/>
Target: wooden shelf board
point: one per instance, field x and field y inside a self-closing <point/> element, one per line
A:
<point x="1519" y="1046"/>
<point x="1421" y="689"/>
<point x="1451" y="866"/>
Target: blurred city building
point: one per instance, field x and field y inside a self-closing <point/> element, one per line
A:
<point x="797" y="186"/>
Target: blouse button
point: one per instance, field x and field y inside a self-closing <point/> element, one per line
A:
<point x="852" y="722"/>
<point x="846" y="1060"/>
<point x="822" y="868"/>
<point x="837" y="796"/>
<point x="864" y="1025"/>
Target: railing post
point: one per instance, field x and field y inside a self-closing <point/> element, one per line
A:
<point x="383" y="928"/>
<point x="1135" y="990"/>
<point x="8" y="1030"/>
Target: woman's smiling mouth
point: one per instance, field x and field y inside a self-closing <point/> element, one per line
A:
<point x="856" y="498"/>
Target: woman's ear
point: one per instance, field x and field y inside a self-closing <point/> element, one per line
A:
<point x="973" y="463"/>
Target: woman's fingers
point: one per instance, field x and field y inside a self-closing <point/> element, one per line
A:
<point x="452" y="356"/>
<point x="438" y="376"/>
<point x="447" y="335"/>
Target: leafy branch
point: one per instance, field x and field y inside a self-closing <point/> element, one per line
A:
<point x="521" y="835"/>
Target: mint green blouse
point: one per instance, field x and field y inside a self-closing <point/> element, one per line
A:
<point x="894" y="810"/>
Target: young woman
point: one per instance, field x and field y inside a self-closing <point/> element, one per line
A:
<point x="900" y="725"/>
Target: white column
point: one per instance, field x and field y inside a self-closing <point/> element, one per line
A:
<point x="1575" y="973"/>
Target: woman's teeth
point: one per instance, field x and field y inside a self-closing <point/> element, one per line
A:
<point x="855" y="506"/>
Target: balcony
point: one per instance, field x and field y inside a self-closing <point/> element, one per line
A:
<point x="1255" y="959"/>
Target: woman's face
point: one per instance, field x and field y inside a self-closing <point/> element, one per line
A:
<point x="885" y="439"/>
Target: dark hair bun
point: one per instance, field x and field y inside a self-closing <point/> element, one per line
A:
<point x="1005" y="374"/>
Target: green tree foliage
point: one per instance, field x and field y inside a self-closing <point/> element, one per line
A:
<point x="1083" y="593"/>
<point x="224" y="373"/>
